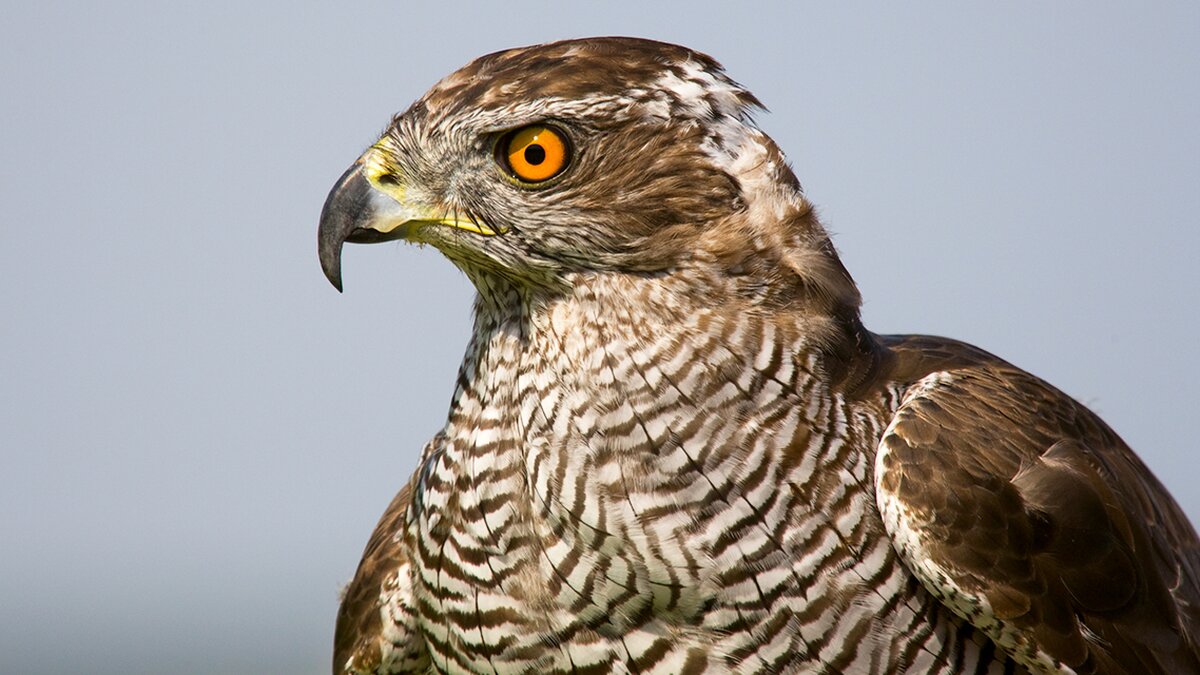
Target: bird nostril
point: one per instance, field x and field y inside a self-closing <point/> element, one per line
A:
<point x="388" y="179"/>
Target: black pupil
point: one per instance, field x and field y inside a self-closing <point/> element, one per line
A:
<point x="535" y="154"/>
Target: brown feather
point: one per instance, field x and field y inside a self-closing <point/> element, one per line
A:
<point x="358" y="638"/>
<point x="1043" y="509"/>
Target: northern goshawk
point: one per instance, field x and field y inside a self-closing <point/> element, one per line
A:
<point x="674" y="448"/>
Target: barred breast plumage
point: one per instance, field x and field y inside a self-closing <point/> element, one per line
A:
<point x="673" y="447"/>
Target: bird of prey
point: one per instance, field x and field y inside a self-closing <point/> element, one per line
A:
<point x="674" y="448"/>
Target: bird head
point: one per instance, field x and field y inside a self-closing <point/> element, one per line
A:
<point x="598" y="156"/>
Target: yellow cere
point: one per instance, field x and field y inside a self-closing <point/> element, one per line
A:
<point x="384" y="176"/>
<point x="380" y="172"/>
<point x="536" y="153"/>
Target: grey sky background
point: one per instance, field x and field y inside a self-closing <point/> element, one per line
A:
<point x="197" y="433"/>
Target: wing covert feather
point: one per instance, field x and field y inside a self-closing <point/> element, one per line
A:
<point x="1022" y="511"/>
<point x="375" y="634"/>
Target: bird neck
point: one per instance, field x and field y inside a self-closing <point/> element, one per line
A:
<point x="542" y="364"/>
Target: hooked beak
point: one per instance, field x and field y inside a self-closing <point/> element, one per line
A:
<point x="356" y="212"/>
<point x="369" y="204"/>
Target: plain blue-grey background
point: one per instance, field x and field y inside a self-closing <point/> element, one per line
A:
<point x="197" y="433"/>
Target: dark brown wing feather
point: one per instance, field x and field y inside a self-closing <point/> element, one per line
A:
<point x="1027" y="497"/>
<point x="359" y="645"/>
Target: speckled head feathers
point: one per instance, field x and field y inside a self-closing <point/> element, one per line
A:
<point x="667" y="172"/>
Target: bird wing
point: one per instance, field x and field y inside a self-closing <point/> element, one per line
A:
<point x="375" y="631"/>
<point x="1020" y="510"/>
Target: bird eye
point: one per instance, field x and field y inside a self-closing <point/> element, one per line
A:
<point x="534" y="153"/>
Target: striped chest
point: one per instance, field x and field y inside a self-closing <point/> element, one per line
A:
<point x="679" y="497"/>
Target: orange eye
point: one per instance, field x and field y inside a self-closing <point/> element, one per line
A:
<point x="535" y="153"/>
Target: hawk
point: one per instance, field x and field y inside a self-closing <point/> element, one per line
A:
<point x="674" y="448"/>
